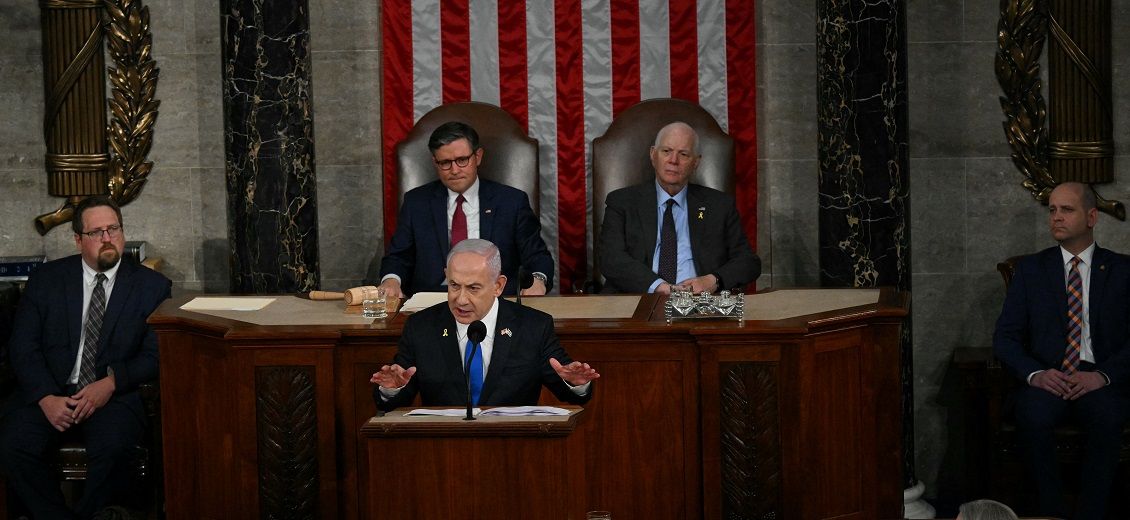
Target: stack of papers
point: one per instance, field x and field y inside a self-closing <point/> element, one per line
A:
<point x="521" y="411"/>
<point x="501" y="411"/>
<point x="423" y="300"/>
<point x="445" y="412"/>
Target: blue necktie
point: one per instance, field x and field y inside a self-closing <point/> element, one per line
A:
<point x="475" y="366"/>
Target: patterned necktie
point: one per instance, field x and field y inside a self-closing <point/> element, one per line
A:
<point x="1074" y="318"/>
<point x="458" y="222"/>
<point x="668" y="246"/>
<point x="475" y="367"/>
<point x="92" y="329"/>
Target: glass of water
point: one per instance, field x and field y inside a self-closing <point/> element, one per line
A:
<point x="373" y="302"/>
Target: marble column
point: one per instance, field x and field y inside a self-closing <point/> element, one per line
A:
<point x="864" y="190"/>
<point x="269" y="146"/>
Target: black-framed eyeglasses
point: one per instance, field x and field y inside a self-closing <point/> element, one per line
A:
<point x="459" y="161"/>
<point x="112" y="231"/>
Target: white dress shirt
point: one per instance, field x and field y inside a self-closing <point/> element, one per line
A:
<point x="88" y="284"/>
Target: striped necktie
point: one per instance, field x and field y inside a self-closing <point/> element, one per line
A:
<point x="668" y="246"/>
<point x="1074" y="318"/>
<point x="92" y="329"/>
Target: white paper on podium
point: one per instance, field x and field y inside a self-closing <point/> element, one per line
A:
<point x="443" y="412"/>
<point x="524" y="411"/>
<point x="226" y="303"/>
<point x="423" y="300"/>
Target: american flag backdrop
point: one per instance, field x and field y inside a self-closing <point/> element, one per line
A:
<point x="564" y="69"/>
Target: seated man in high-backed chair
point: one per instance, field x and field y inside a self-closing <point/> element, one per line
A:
<point x="669" y="232"/>
<point x="80" y="347"/>
<point x="1064" y="331"/>
<point x="458" y="206"/>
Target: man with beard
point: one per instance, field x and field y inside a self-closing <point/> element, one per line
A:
<point x="80" y="347"/>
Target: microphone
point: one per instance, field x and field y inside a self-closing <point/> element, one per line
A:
<point x="476" y="333"/>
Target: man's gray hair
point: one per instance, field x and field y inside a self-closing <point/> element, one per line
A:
<point x="678" y="124"/>
<point x="985" y="510"/>
<point x="483" y="248"/>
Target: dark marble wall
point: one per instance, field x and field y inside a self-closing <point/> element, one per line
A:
<point x="269" y="146"/>
<point x="864" y="191"/>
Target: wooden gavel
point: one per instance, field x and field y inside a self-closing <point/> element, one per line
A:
<point x="351" y="296"/>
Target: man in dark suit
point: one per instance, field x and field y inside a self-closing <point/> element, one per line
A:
<point x="1064" y="331"/>
<point x="458" y="206"/>
<point x="519" y="354"/>
<point x="80" y="347"/>
<point x="696" y="241"/>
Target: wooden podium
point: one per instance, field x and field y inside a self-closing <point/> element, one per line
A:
<point x="492" y="467"/>
<point x="794" y="412"/>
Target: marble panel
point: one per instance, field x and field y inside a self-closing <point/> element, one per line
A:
<point x="347" y="107"/>
<point x="349" y="227"/>
<point x="23" y="196"/>
<point x="204" y="28"/>
<point x="337" y="25"/>
<point x="954" y="108"/>
<point x="785" y="22"/>
<point x="792" y="221"/>
<point x="170" y="26"/>
<point x="20" y="26"/>
<point x="937" y="215"/>
<point x="176" y="135"/>
<point x="786" y="97"/>
<point x="21" y="95"/>
<point x="213" y="265"/>
<point x="1002" y="219"/>
<point x="980" y="21"/>
<point x="209" y="115"/>
<point x="163" y="217"/>
<point x="933" y="21"/>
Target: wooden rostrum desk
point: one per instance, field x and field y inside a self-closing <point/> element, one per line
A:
<point x="797" y="415"/>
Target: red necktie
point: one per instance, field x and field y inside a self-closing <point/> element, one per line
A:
<point x="458" y="222"/>
<point x="1074" y="318"/>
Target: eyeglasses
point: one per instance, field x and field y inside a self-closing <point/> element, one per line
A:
<point x="112" y="231"/>
<point x="460" y="161"/>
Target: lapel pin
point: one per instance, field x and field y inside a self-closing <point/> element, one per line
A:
<point x="445" y="333"/>
<point x="506" y="332"/>
<point x="487" y="211"/>
<point x="700" y="214"/>
<point x="1102" y="267"/>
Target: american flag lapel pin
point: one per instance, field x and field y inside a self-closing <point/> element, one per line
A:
<point x="487" y="211"/>
<point x="506" y="332"/>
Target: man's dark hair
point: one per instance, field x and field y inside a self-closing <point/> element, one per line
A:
<point x="93" y="201"/>
<point x="450" y="132"/>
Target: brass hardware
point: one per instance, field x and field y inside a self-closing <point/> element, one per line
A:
<point x="1077" y="144"/>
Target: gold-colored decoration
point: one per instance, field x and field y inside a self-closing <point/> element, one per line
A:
<point x="1077" y="146"/>
<point x="76" y="133"/>
<point x="132" y="106"/>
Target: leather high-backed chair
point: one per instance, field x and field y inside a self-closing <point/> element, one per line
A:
<point x="621" y="157"/>
<point x="510" y="156"/>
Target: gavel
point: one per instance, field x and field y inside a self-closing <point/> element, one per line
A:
<point x="351" y="296"/>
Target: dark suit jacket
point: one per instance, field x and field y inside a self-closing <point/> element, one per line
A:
<point x="519" y="363"/>
<point x="628" y="238"/>
<point x="1031" y="333"/>
<point x="48" y="323"/>
<point x="418" y="251"/>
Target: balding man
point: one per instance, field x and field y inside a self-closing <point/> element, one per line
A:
<point x="1064" y="331"/>
<point x="670" y="232"/>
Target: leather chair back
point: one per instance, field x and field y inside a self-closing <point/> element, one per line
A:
<point x="509" y="155"/>
<point x="621" y="157"/>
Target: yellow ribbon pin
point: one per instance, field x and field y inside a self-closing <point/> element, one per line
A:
<point x="700" y="215"/>
<point x="445" y="333"/>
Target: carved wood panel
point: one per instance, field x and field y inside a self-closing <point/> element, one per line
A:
<point x="750" y="441"/>
<point x="287" y="425"/>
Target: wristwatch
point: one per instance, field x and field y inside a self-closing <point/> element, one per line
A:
<point x="544" y="280"/>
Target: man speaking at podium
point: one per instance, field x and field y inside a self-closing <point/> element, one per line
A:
<point x="507" y="367"/>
